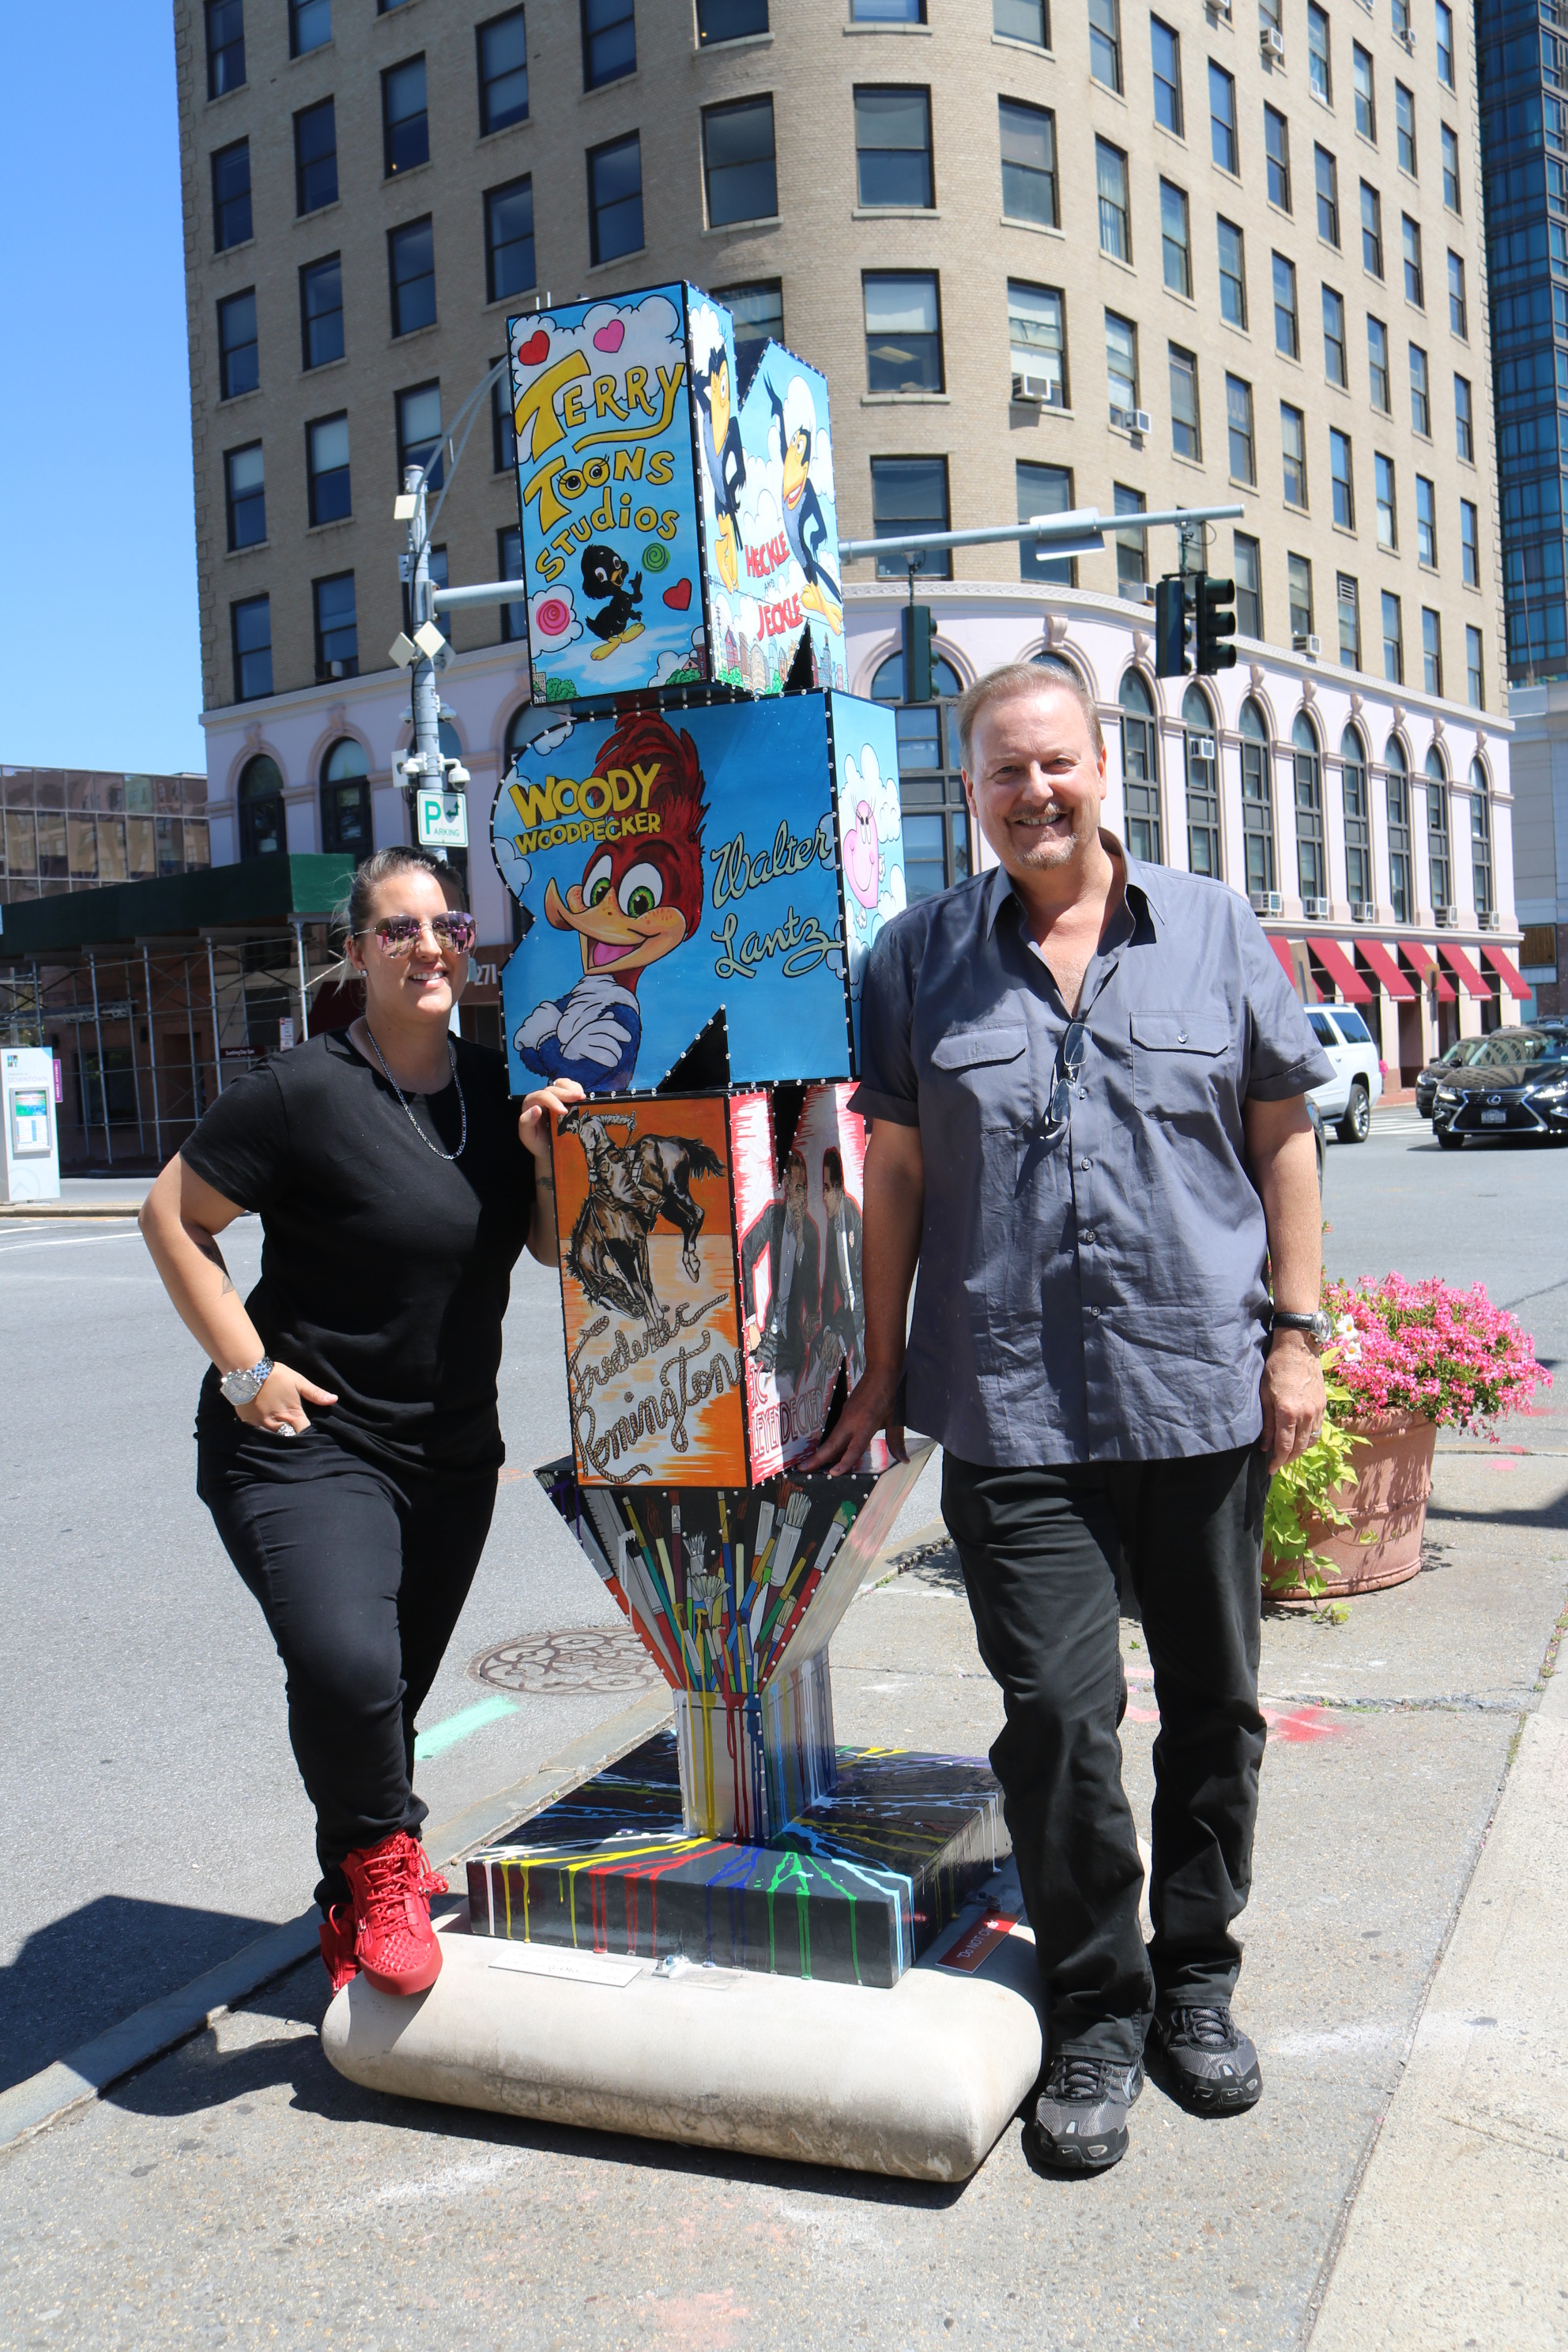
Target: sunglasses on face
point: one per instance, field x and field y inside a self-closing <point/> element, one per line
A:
<point x="400" y="934"/>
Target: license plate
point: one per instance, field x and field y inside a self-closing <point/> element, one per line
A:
<point x="1494" y="1119"/>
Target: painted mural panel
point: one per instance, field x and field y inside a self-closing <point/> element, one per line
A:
<point x="871" y="831"/>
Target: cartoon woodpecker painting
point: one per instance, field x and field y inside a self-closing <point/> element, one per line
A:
<point x="724" y="458"/>
<point x="805" y="528"/>
<point x="605" y="576"/>
<point x="640" y="894"/>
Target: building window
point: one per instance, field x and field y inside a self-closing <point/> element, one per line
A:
<point x="337" y="633"/>
<point x="1029" y="164"/>
<point x="509" y="566"/>
<point x="321" y="311"/>
<point x="1459" y="320"/>
<point x="1176" y="239"/>
<point x="250" y="623"/>
<point x="930" y="789"/>
<point x="310" y="25"/>
<point x="1426" y="522"/>
<point x="903" y="331"/>
<point x="758" y="312"/>
<point x="245" y="495"/>
<point x="1105" y="42"/>
<point x="1445" y="44"/>
<point x="1358" y="818"/>
<point x="614" y="199"/>
<point x="1405" y="128"/>
<point x="1393" y="640"/>
<point x="411" y="269"/>
<point x="226" y="47"/>
<point x="1122" y="364"/>
<point x="1200" y="743"/>
<point x="1387" y="506"/>
<point x="1320" y="78"/>
<point x="1232" y="273"/>
<point x="1312" y="865"/>
<point x="1336" y="355"/>
<point x="1420" y="393"/>
<point x="1223" y="143"/>
<point x="502" y="52"/>
<point x="1365" y="97"/>
<point x="1115" y="206"/>
<point x="609" y="42"/>
<point x="1277" y="147"/>
<point x="1469" y="543"/>
<point x="1480" y="840"/>
<point x="1287" y="330"/>
<point x="1036" y="339"/>
<point x="1379" y="386"/>
<point x="1326" y="175"/>
<point x="888" y="12"/>
<point x="1371" y="231"/>
<point x="1299" y="582"/>
<point x="1293" y="443"/>
<point x="345" y="799"/>
<point x="1257" y="802"/>
<point x="738" y="163"/>
<point x="1474" y="682"/>
<point x="263" y="830"/>
<point x="1186" y="438"/>
<point x="1451" y="169"/>
<point x="1402" y="897"/>
<point x="504" y="434"/>
<point x="909" y="494"/>
<point x="1439" y="863"/>
<point x="1414" y="278"/>
<point x="404" y="121"/>
<point x="327" y="468"/>
<point x="231" y="195"/>
<point x="1431" y="650"/>
<point x="1166" y="48"/>
<point x="1239" y="421"/>
<point x="419" y="431"/>
<point x="1131" y="546"/>
<point x="315" y="157"/>
<point x="730" y="20"/>
<point x="509" y="239"/>
<point x="1464" y="421"/>
<point x="1022" y="20"/>
<point x="1139" y="771"/>
<point x="1348" y="596"/>
<point x="1339" y="471"/>
<point x="1043" y="491"/>
<point x="1247" y="566"/>
<point x="892" y="147"/>
<point x="238" y="365"/>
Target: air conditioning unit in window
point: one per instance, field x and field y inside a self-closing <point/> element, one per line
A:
<point x="1271" y="44"/>
<point x="1492" y="921"/>
<point x="1140" y="421"/>
<point x="1266" y="902"/>
<point x="1203" y="747"/>
<point x="1363" y="910"/>
<point x="1037" y="390"/>
<point x="1446" y="917"/>
<point x="1407" y="39"/>
<point x="1220" y="9"/>
<point x="1314" y="910"/>
<point x="1310" y="647"/>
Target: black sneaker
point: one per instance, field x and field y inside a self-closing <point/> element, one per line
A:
<point x="1080" y="2123"/>
<point x="1202" y="2059"/>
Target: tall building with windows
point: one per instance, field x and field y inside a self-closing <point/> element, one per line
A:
<point x="1050" y="257"/>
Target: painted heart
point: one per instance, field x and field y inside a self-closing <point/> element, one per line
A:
<point x="679" y="596"/>
<point x="610" y="338"/>
<point x="536" y="349"/>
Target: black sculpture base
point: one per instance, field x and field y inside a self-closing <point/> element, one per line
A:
<point x="851" y="1893"/>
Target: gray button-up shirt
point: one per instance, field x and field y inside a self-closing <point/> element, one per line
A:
<point x="1091" y="1292"/>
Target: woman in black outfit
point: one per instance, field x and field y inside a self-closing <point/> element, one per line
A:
<point x="347" y="1435"/>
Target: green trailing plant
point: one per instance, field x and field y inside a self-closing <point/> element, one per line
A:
<point x="1305" y="1491"/>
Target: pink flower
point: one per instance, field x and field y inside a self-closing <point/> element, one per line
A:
<point x="1425" y="1350"/>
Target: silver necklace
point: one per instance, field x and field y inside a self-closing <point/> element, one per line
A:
<point x="414" y="1123"/>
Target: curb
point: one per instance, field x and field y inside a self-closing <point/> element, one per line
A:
<point x="34" y="1208"/>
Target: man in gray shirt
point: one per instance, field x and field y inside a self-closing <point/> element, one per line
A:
<point x="1086" y="1079"/>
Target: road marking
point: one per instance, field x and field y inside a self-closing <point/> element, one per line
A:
<point x="453" y="1727"/>
<point x="9" y="1248"/>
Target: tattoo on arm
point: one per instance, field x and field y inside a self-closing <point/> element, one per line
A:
<point x="207" y="1245"/>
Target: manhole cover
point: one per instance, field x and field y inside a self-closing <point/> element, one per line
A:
<point x="607" y="1659"/>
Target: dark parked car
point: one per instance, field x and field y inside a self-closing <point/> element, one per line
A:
<point x="1518" y="1086"/>
<point x="1459" y="1056"/>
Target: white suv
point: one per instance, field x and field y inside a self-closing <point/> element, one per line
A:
<point x="1346" y="1100"/>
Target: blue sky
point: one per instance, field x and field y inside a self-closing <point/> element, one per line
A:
<point x="97" y="582"/>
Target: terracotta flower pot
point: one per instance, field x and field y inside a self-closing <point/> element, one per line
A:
<point x="1393" y="1479"/>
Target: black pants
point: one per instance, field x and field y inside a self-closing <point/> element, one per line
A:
<point x="1040" y="1550"/>
<point x="362" y="1575"/>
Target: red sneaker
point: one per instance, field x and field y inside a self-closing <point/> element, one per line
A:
<point x="392" y="1884"/>
<point x="337" y="1944"/>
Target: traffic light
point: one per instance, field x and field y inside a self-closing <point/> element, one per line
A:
<point x="920" y="634"/>
<point x="1215" y="622"/>
<point x="1170" y="628"/>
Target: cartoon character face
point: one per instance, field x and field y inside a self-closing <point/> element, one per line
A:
<point x="640" y="896"/>
<point x="618" y="910"/>
<point x="796" y="465"/>
<point x="719" y="395"/>
<point x="603" y="572"/>
<point x="862" y="857"/>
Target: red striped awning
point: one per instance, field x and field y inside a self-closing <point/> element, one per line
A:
<point x="1382" y="960"/>
<point x="1282" y="950"/>
<point x="1507" y="971"/>
<point x="1460" y="964"/>
<point x="1341" y="971"/>
<point x="1423" y="960"/>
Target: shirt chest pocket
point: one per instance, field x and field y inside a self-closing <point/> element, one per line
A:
<point x="1179" y="1061"/>
<point x="981" y="1076"/>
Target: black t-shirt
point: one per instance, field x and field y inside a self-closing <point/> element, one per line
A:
<point x="386" y="1271"/>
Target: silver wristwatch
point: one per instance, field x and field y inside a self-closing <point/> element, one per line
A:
<point x="1316" y="1328"/>
<point x="243" y="1388"/>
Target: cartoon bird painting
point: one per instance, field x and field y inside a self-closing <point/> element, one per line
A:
<point x="863" y="858"/>
<point x="640" y="894"/>
<point x="605" y="576"/>
<point x="724" y="458"/>
<point x="805" y="527"/>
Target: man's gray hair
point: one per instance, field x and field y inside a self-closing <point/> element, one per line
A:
<point x="1025" y="677"/>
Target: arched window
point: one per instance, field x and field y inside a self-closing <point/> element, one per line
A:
<point x="345" y="799"/>
<point x="521" y="729"/>
<point x="1311" y="863"/>
<point x="451" y="748"/>
<point x="1358" y="821"/>
<point x="262" y="831"/>
<point x="1482" y="838"/>
<point x="1202" y="747"/>
<point x="1439" y="857"/>
<point x="930" y="781"/>
<point x="1402" y="897"/>
<point x="1139" y="771"/>
<point x="1257" y="802"/>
